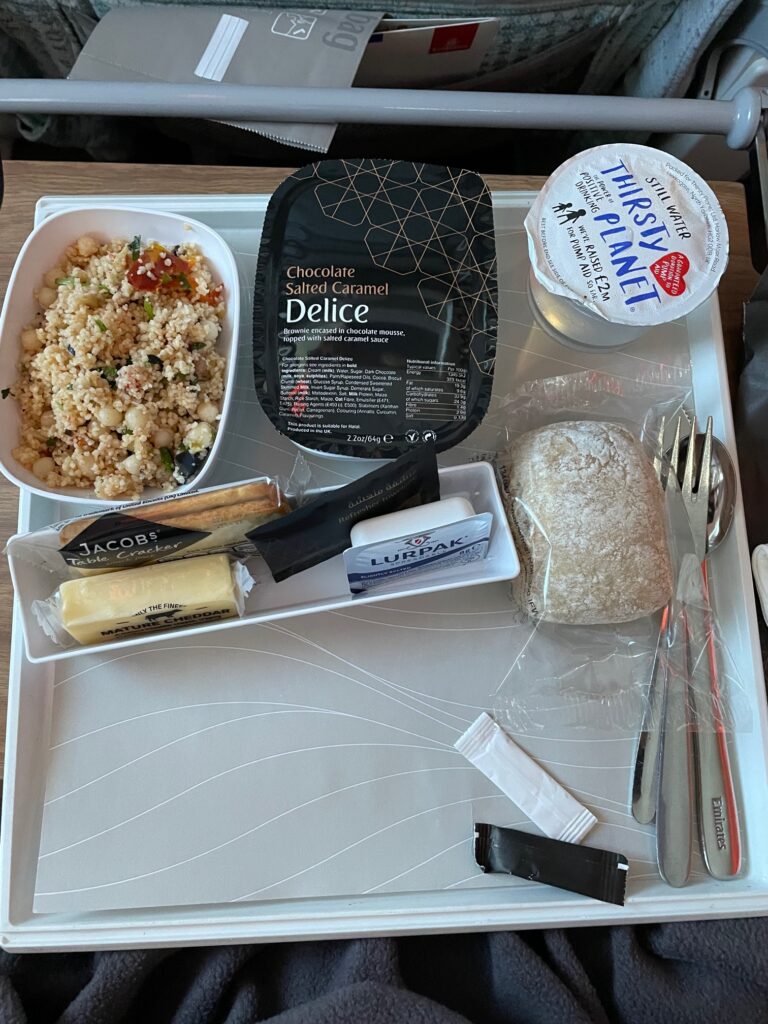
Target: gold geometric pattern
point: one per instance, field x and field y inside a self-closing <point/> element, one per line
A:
<point x="415" y="213"/>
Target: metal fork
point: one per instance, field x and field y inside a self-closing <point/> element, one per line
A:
<point x="675" y="795"/>
<point x="696" y="500"/>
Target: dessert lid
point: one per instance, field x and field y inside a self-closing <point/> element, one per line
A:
<point x="630" y="232"/>
<point x="375" y="307"/>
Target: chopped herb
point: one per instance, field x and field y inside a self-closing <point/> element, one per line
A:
<point x="5" y="392"/>
<point x="69" y="433"/>
<point x="181" y="376"/>
<point x="165" y="278"/>
<point x="126" y="430"/>
<point x="51" y="442"/>
<point x="196" y="345"/>
<point x="176" y="250"/>
<point x="65" y="280"/>
<point x="108" y="372"/>
<point x="149" y="309"/>
<point x="167" y="459"/>
<point x="183" y="447"/>
<point x="103" y="288"/>
<point x="154" y="360"/>
<point x="71" y="349"/>
<point x="100" y="324"/>
<point x="70" y="387"/>
<point x="184" y="282"/>
<point x="135" y="247"/>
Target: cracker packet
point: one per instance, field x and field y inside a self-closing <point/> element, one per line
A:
<point x="213" y="520"/>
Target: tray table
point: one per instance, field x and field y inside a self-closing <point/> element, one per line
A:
<point x="159" y="755"/>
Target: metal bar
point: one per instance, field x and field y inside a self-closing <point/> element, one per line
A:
<point x="737" y="119"/>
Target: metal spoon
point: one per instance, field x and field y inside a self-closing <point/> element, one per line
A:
<point x="718" y="816"/>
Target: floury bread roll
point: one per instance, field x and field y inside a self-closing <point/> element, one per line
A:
<point x="589" y="519"/>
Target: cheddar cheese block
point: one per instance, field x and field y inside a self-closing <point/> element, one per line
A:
<point x="156" y="597"/>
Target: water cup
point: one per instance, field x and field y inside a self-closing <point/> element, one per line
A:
<point x="622" y="238"/>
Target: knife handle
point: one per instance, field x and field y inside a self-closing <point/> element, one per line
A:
<point x="674" y="810"/>
<point x="719" y="831"/>
<point x="646" y="774"/>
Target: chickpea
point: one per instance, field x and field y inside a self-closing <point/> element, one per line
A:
<point x="86" y="245"/>
<point x="43" y="467"/>
<point x="137" y="418"/>
<point x="132" y="465"/>
<point x="109" y="416"/>
<point x="47" y="419"/>
<point x="30" y="340"/>
<point x="162" y="438"/>
<point x="207" y="411"/>
<point x="46" y="297"/>
<point x="52" y="276"/>
<point x="199" y="437"/>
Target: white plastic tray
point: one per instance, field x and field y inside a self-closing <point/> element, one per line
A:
<point x="397" y="860"/>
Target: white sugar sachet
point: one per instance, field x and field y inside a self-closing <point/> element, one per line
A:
<point x="519" y="777"/>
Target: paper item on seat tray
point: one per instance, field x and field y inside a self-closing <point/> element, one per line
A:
<point x="236" y="46"/>
<point x="255" y="46"/>
<point x="422" y="52"/>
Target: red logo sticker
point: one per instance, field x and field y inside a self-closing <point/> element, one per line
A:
<point x="453" y="37"/>
<point x="670" y="272"/>
<point x="416" y="542"/>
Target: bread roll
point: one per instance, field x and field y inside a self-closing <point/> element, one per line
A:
<point x="589" y="518"/>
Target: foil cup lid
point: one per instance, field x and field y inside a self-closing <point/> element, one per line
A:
<point x="629" y="232"/>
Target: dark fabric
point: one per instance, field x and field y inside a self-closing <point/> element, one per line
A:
<point x="690" y="972"/>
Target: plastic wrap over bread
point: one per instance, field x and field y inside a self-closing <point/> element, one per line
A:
<point x="589" y="518"/>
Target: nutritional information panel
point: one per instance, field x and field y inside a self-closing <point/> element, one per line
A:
<point x="435" y="391"/>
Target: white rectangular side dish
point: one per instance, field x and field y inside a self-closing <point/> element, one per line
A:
<point x="295" y="780"/>
<point x="321" y="588"/>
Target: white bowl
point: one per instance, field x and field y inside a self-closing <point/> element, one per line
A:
<point x="39" y="253"/>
